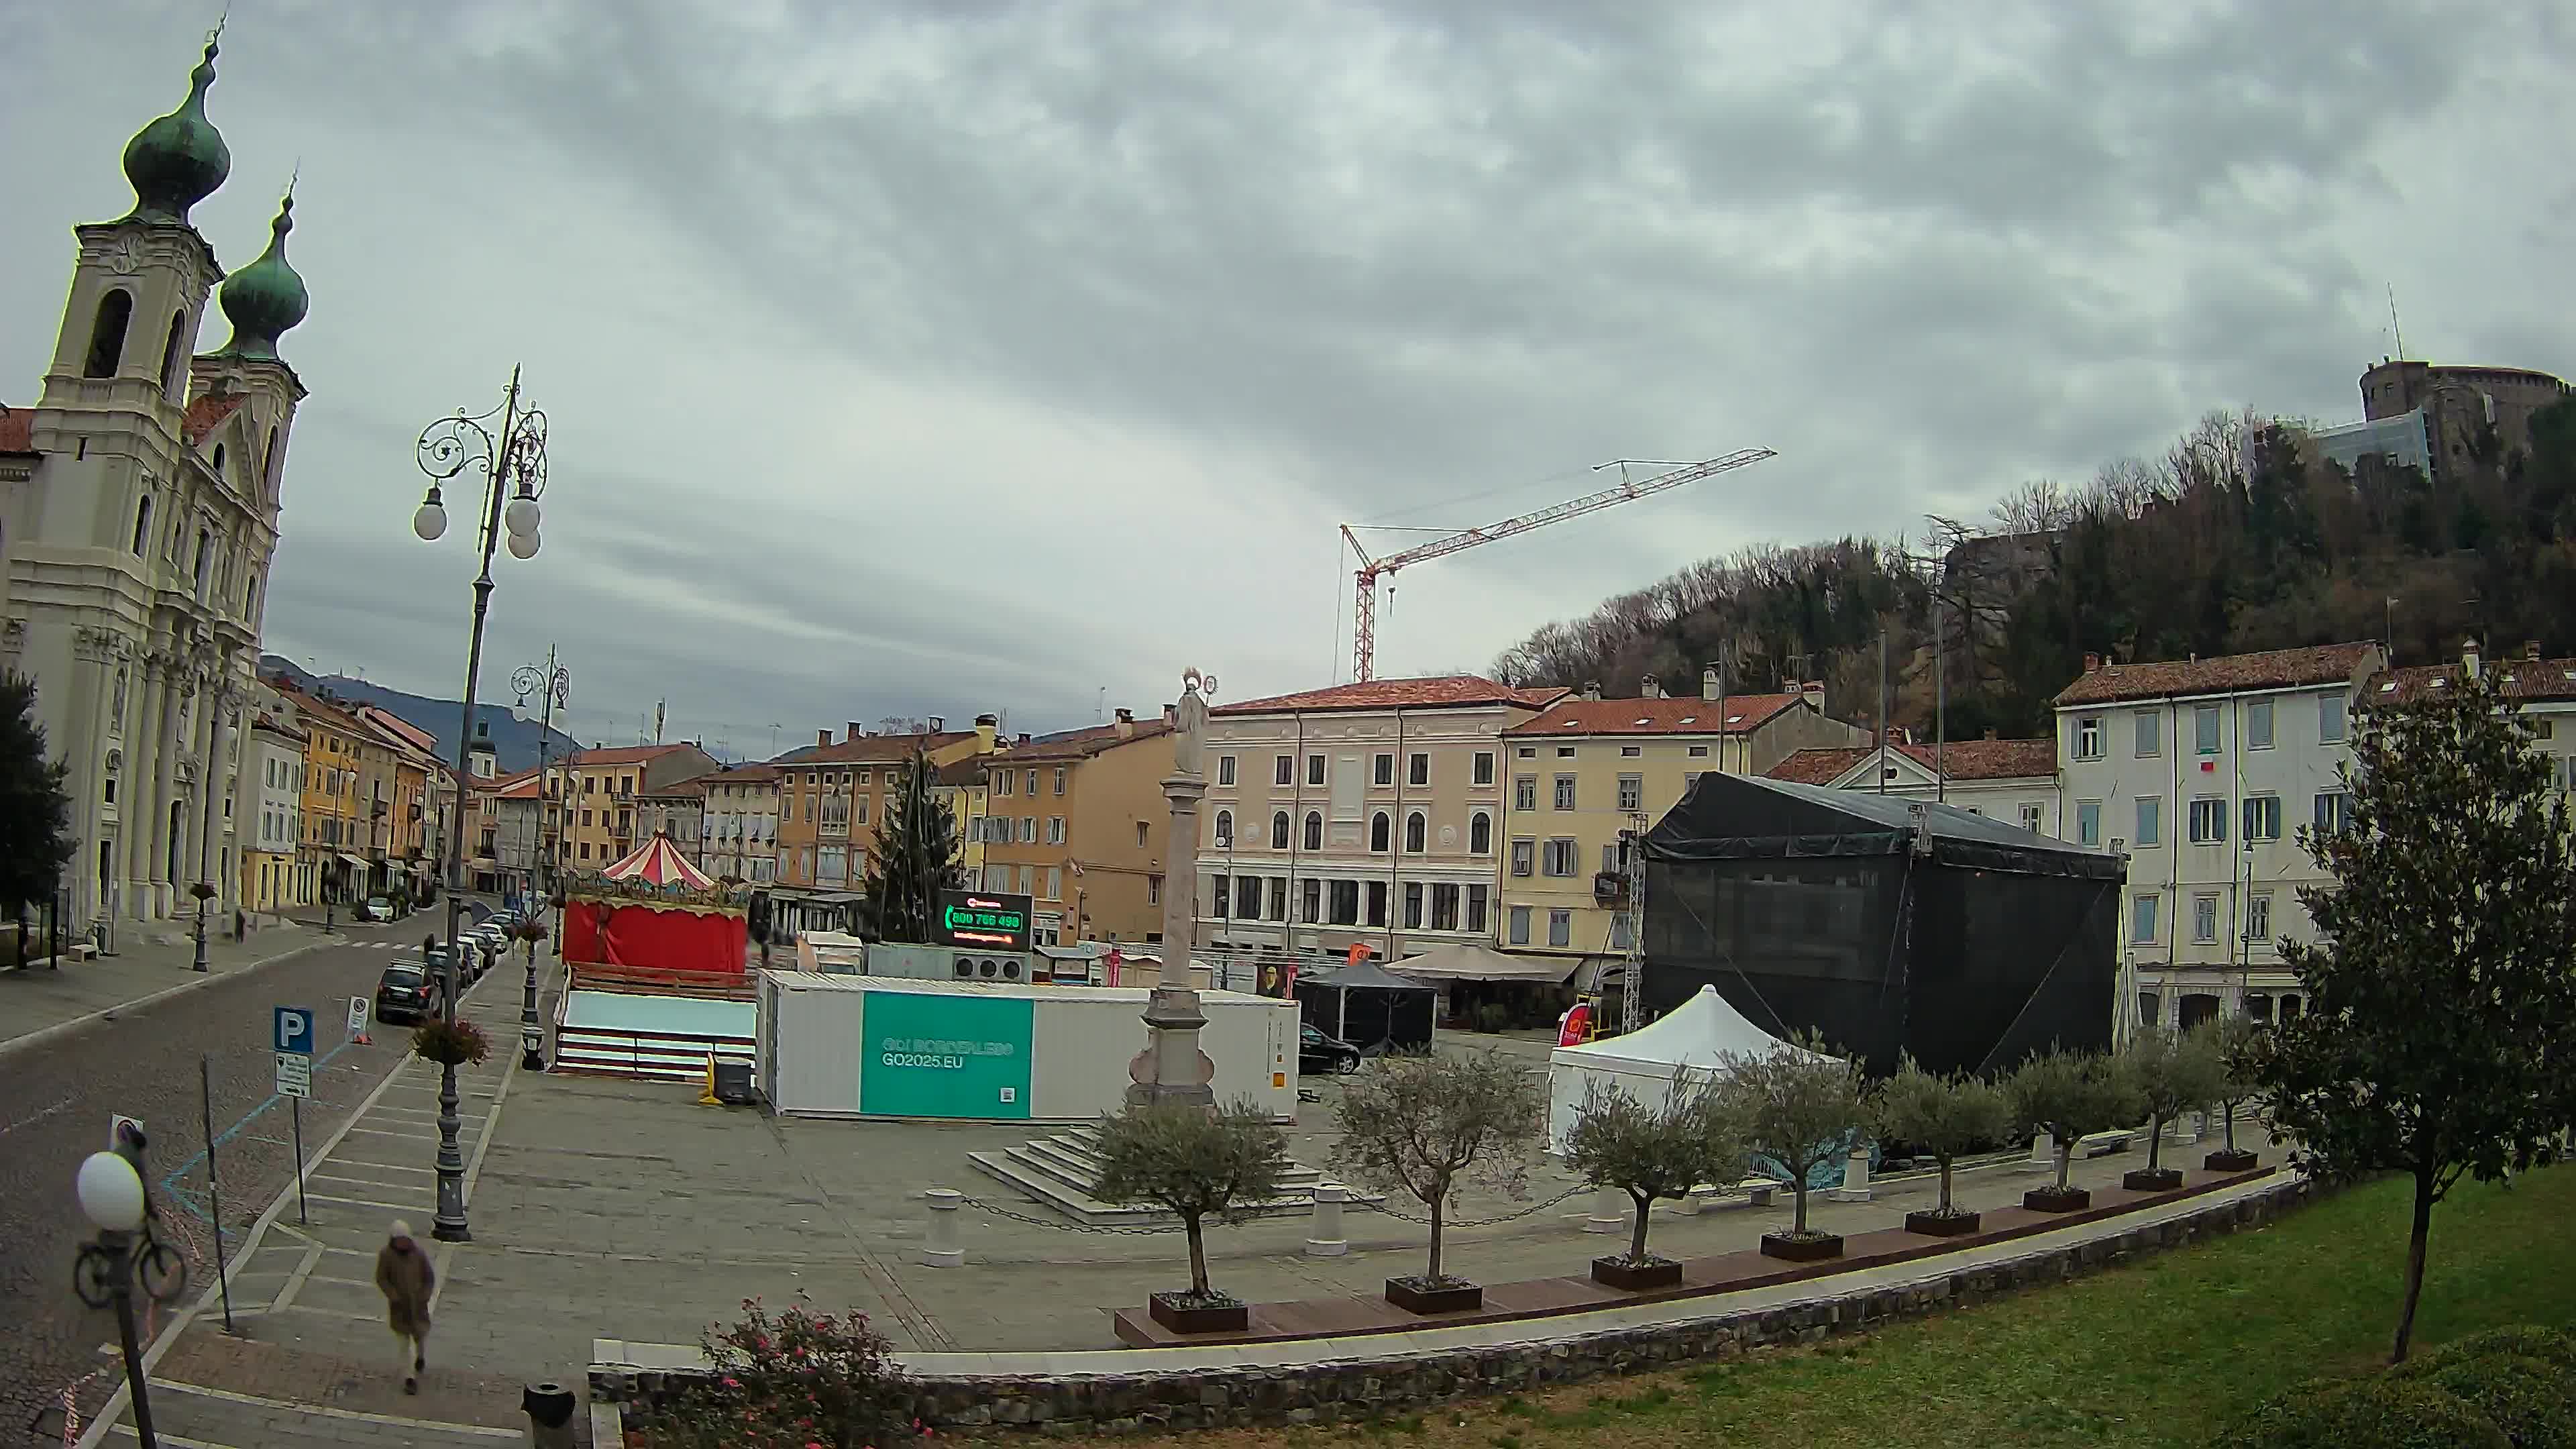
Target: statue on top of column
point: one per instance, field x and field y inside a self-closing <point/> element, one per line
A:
<point x="1190" y="721"/>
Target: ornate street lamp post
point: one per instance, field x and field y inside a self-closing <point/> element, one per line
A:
<point x="554" y="683"/>
<point x="111" y="1197"/>
<point x="514" y="477"/>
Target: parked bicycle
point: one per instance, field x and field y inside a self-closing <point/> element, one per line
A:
<point x="161" y="1269"/>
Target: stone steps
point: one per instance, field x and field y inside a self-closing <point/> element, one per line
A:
<point x="1063" y="1172"/>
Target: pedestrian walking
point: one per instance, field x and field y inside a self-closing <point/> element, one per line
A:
<point x="403" y="1275"/>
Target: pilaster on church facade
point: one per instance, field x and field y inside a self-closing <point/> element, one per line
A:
<point x="138" y="518"/>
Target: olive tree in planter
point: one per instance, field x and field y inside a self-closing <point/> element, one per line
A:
<point x="2172" y="1073"/>
<point x="1801" y="1107"/>
<point x="1195" y="1165"/>
<point x="1424" y="1125"/>
<point x="2068" y="1094"/>
<point x="1653" y="1153"/>
<point x="1942" y="1118"/>
<point x="2238" y="1043"/>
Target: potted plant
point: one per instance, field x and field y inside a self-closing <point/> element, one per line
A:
<point x="2068" y="1094"/>
<point x="1651" y="1153"/>
<point x="2171" y="1073"/>
<point x="1423" y="1126"/>
<point x="2238" y="1044"/>
<point x="450" y="1043"/>
<point x="1193" y="1164"/>
<point x="1941" y="1117"/>
<point x="1802" y="1108"/>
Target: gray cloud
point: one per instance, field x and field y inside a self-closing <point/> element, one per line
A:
<point x="940" y="358"/>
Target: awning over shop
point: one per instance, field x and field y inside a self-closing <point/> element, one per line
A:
<point x="1469" y="962"/>
<point x="359" y="861"/>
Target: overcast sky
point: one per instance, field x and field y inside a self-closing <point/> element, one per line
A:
<point x="954" y="356"/>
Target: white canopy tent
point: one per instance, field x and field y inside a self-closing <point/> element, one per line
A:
<point x="1696" y="1036"/>
<point x="1467" y="961"/>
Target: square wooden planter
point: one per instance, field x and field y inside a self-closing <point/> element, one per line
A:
<point x="2051" y="1200"/>
<point x="1169" y="1311"/>
<point x="1414" y="1296"/>
<point x="1941" y="1225"/>
<point x="2151" y="1179"/>
<point x="2231" y="1160"/>
<point x="1802" y="1250"/>
<point x="1618" y="1272"/>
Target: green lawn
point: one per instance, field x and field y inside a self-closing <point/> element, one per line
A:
<point x="2158" y="1353"/>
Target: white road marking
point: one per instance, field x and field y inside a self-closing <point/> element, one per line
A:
<point x="484" y="1431"/>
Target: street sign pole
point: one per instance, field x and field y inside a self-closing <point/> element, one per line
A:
<point x="292" y="1035"/>
<point x="214" y="1189"/>
<point x="295" y="1106"/>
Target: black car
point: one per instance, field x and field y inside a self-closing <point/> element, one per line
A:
<point x="405" y="992"/>
<point x="1317" y="1052"/>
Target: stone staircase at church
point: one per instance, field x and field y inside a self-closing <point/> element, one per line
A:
<point x="1063" y="1172"/>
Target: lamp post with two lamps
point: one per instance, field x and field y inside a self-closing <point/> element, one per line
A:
<point x="554" y="683"/>
<point x="111" y="1197"/>
<point x="513" y="460"/>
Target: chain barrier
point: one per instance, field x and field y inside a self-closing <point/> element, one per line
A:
<point x="1447" y="1223"/>
<point x="1107" y="1229"/>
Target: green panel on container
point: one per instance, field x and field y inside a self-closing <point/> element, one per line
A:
<point x="940" y="1054"/>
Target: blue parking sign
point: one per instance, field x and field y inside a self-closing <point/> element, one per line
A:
<point x="293" y="1030"/>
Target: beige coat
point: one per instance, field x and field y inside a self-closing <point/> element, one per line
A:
<point x="406" y="1280"/>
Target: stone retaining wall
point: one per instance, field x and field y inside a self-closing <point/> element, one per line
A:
<point x="1396" y="1382"/>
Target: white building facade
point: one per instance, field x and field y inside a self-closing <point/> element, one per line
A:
<point x="274" y="819"/>
<point x="2009" y="780"/>
<point x="1349" y="816"/>
<point x="741" y="830"/>
<point x="2203" y="772"/>
<point x="138" y="513"/>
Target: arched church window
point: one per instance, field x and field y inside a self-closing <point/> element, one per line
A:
<point x="170" y="379"/>
<point x="205" y="553"/>
<point x="268" y="463"/>
<point x="219" y="460"/>
<point x="142" y="524"/>
<point x="250" y="597"/>
<point x="107" y="334"/>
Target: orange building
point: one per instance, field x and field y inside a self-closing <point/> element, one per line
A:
<point x="1078" y="821"/>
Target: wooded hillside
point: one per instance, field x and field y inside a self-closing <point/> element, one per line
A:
<point x="2238" y="538"/>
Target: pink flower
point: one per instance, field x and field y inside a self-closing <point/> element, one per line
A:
<point x="731" y="1382"/>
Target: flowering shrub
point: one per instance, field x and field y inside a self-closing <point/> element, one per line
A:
<point x="794" y="1379"/>
<point x="450" y="1043"/>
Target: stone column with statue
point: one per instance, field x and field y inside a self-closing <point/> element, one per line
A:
<point x="1172" y="1069"/>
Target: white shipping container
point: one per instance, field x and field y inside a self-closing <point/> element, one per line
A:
<point x="935" y="1049"/>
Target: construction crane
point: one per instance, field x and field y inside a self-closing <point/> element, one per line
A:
<point x="1364" y="622"/>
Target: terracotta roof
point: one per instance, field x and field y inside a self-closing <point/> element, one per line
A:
<point x="2527" y="679"/>
<point x="522" y="788"/>
<point x="1959" y="760"/>
<point x="410" y="734"/>
<point x="276" y="726"/>
<point x="324" y="710"/>
<point x="208" y="413"/>
<point x="1692" y="716"/>
<point x="17" y="429"/>
<point x="2227" y="674"/>
<point x="694" y="786"/>
<point x="873" y="749"/>
<point x="744" y="775"/>
<point x="621" y="755"/>
<point x="967" y="772"/>
<point x="1437" y="692"/>
<point x="1082" y="744"/>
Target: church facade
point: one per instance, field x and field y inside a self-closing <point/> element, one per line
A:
<point x="139" y="501"/>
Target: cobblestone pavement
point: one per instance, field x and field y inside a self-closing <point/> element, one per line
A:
<point x="46" y="998"/>
<point x="56" y="1097"/>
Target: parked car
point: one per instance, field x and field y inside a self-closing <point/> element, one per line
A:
<point x="1317" y="1052"/>
<point x="406" y="992"/>
<point x="377" y="908"/>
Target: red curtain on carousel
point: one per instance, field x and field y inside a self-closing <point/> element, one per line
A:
<point x="636" y="936"/>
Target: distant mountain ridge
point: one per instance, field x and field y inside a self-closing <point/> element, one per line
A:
<point x="514" y="740"/>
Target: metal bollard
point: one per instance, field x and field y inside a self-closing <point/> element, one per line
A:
<point x="1855" y="1186"/>
<point x="1609" y="1212"/>
<point x="942" y="1250"/>
<point x="549" y="1407"/>
<point x="1324" y="1238"/>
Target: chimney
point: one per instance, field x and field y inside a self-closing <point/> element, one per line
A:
<point x="1126" y="723"/>
<point x="1172" y="714"/>
<point x="2530" y="648"/>
<point x="1591" y="689"/>
<point x="822" y="737"/>
<point x="1990" y="734"/>
<point x="1650" y="688"/>
<point x="2469" y="656"/>
<point x="853" y="730"/>
<point x="987" y="728"/>
<point x="1708" y="685"/>
<point x="2092" y="663"/>
<point x="1814" y="690"/>
<point x="939" y="724"/>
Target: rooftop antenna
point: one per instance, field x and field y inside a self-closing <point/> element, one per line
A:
<point x="1100" y="706"/>
<point x="659" y="706"/>
<point x="2394" y="330"/>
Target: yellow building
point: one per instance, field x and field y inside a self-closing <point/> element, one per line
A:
<point x="274" y="877"/>
<point x="1078" y="821"/>
<point x="1583" y="771"/>
<point x="964" y="787"/>
<point x="332" y="843"/>
<point x="833" y="798"/>
<point x="594" y="792"/>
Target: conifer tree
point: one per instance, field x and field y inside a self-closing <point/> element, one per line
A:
<point x="35" y="813"/>
<point x="917" y="857"/>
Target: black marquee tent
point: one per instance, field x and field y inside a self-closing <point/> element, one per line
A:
<point x="1370" y="1007"/>
<point x="1887" y="924"/>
